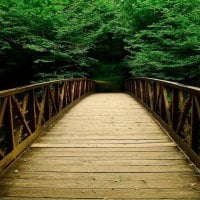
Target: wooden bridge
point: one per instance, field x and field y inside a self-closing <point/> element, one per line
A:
<point x="107" y="146"/>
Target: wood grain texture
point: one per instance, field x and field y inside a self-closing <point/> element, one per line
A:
<point x="107" y="147"/>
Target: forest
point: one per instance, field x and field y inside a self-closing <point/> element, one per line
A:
<point x="43" y="40"/>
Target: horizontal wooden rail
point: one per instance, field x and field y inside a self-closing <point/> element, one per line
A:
<point x="175" y="106"/>
<point x="27" y="111"/>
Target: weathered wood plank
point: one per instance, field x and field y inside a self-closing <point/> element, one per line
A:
<point x="110" y="162"/>
<point x="187" y="176"/>
<point x="93" y="184"/>
<point x="104" y="149"/>
<point x="107" y="154"/>
<point x="101" y="193"/>
<point x="103" y="169"/>
<point x="88" y="141"/>
<point x="59" y="145"/>
<point x="102" y="158"/>
<point x="108" y="137"/>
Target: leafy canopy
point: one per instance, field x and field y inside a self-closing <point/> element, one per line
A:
<point x="51" y="39"/>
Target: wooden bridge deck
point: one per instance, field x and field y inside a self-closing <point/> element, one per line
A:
<point x="106" y="147"/>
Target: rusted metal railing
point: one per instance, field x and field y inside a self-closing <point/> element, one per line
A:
<point x="175" y="106"/>
<point x="27" y="111"/>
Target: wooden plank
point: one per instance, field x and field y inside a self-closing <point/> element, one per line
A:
<point x="118" y="119"/>
<point x="108" y="125"/>
<point x="107" y="137"/>
<point x="56" y="162"/>
<point x="120" y="124"/>
<point x="117" y="183"/>
<point x="106" y="154"/>
<point x="94" y="158"/>
<point x="117" y="133"/>
<point x="187" y="176"/>
<point x="60" y="145"/>
<point x="68" y="141"/>
<point x="109" y="129"/>
<point x="100" y="193"/>
<point x="110" y="149"/>
<point x="104" y="169"/>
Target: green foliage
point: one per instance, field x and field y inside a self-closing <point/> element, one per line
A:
<point x="168" y="48"/>
<point x="47" y="36"/>
<point x="51" y="39"/>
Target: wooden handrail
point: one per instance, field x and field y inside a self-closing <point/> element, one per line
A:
<point x="25" y="112"/>
<point x="175" y="106"/>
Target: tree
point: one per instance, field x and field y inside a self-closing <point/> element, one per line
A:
<point x="169" y="47"/>
<point x="52" y="39"/>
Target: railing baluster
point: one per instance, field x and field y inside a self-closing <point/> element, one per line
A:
<point x="167" y="107"/>
<point x="175" y="109"/>
<point x="2" y="111"/>
<point x="195" y="125"/>
<point x="150" y="96"/>
<point x="161" y="103"/>
<point x="9" y="125"/>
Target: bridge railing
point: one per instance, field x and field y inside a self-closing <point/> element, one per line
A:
<point x="175" y="106"/>
<point x="27" y="111"/>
